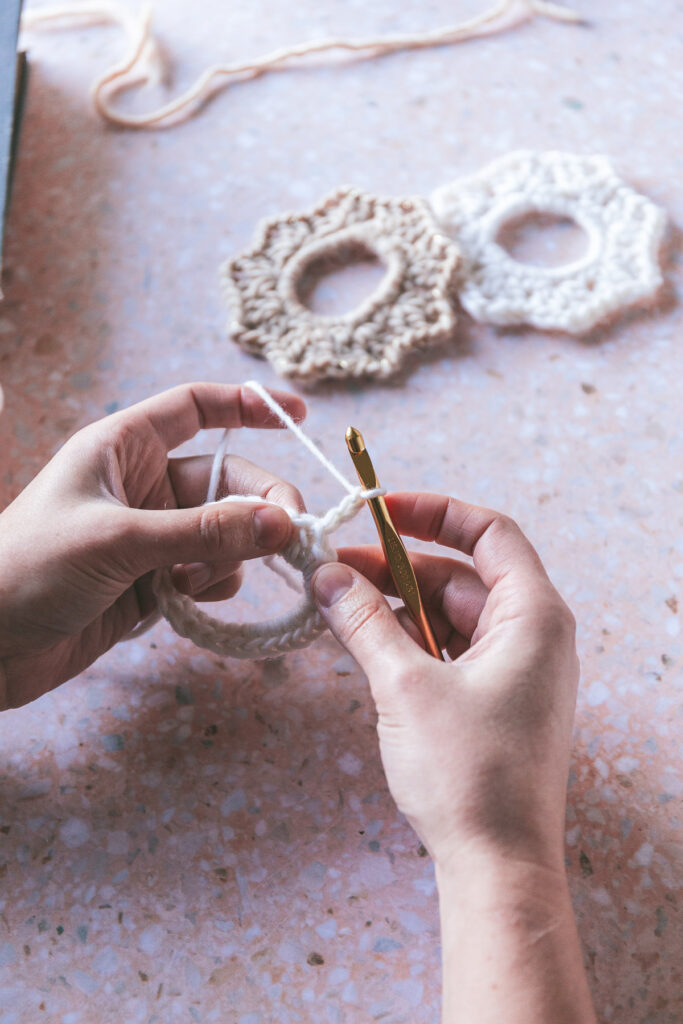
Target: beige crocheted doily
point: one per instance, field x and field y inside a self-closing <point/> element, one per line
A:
<point x="409" y="310"/>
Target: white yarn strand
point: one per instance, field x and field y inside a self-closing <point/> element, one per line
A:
<point x="285" y="418"/>
<point x="143" y="64"/>
<point x="310" y="548"/>
<point x="217" y="468"/>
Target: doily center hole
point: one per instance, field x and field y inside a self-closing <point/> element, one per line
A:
<point x="337" y="283"/>
<point x="543" y="239"/>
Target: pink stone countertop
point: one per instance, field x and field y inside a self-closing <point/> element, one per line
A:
<point x="189" y="839"/>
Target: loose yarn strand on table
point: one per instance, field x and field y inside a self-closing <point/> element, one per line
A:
<point x="143" y="63"/>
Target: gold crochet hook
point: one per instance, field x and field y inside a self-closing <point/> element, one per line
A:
<point x="402" y="572"/>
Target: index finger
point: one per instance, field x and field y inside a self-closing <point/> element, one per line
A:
<point x="176" y="415"/>
<point x="190" y="479"/>
<point x="494" y="541"/>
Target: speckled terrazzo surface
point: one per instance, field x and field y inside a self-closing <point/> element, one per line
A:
<point x="186" y="839"/>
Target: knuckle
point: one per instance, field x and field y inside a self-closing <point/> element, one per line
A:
<point x="227" y="569"/>
<point x="555" y="620"/>
<point x="211" y="531"/>
<point x="119" y="431"/>
<point x="504" y="524"/>
<point x="82" y="448"/>
<point x="233" y="584"/>
<point x="362" y="618"/>
<point x="116" y="432"/>
<point x="221" y="591"/>
<point x="407" y="680"/>
<point x="499" y="529"/>
<point x="286" y="495"/>
<point x="569" y="620"/>
<point x="116" y="539"/>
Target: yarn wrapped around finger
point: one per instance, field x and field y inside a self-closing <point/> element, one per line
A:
<point x="295" y="629"/>
<point x="310" y="547"/>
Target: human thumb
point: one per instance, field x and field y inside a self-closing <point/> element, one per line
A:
<point x="361" y="620"/>
<point x="224" y="531"/>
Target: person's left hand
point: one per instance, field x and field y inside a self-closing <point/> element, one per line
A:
<point x="78" y="546"/>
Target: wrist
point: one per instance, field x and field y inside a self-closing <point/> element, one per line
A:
<point x="518" y="848"/>
<point x="489" y="881"/>
<point x="510" y="948"/>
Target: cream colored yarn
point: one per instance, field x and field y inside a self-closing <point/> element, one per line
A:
<point x="619" y="268"/>
<point x="310" y="548"/>
<point x="410" y="309"/>
<point x="143" y="63"/>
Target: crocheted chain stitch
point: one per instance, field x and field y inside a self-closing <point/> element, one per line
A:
<point x="624" y="231"/>
<point x="409" y="310"/>
<point x="310" y="548"/>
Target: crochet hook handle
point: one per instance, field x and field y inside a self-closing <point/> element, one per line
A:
<point x="394" y="549"/>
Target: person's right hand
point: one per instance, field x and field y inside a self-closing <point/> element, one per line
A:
<point x="476" y="751"/>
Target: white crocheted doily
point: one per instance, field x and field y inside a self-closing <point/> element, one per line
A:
<point x="619" y="268"/>
<point x="409" y="310"/>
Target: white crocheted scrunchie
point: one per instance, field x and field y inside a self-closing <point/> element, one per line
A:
<point x="410" y="310"/>
<point x="619" y="268"/>
<point x="310" y="548"/>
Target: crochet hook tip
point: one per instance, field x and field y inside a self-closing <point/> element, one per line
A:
<point x="354" y="440"/>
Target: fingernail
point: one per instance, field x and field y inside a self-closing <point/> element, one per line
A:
<point x="330" y="583"/>
<point x="198" y="575"/>
<point x="271" y="527"/>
